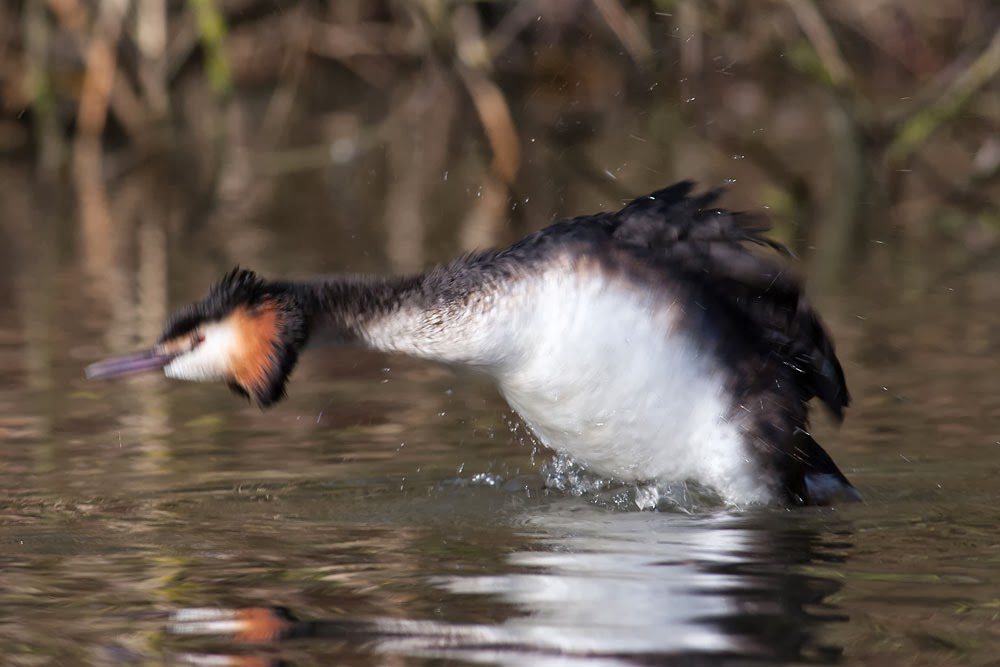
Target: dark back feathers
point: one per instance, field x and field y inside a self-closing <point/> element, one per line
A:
<point x="727" y="255"/>
<point x="717" y="247"/>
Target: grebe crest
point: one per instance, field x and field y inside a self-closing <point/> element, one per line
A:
<point x="241" y="333"/>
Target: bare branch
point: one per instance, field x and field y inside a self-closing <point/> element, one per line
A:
<point x="916" y="128"/>
<point x="818" y="32"/>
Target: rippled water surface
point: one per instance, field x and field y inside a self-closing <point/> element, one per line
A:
<point x="393" y="512"/>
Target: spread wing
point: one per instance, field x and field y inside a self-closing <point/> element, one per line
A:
<point x="722" y="254"/>
<point x="728" y="253"/>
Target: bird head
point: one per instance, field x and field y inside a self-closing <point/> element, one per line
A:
<point x="246" y="332"/>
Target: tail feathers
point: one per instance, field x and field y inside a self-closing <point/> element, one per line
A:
<point x="817" y="480"/>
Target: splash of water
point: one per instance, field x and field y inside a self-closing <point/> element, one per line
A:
<point x="565" y="475"/>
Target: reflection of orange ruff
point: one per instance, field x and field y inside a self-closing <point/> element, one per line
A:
<point x="250" y="624"/>
<point x="261" y="624"/>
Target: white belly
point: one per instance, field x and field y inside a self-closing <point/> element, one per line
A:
<point x="605" y="375"/>
<point x="599" y="369"/>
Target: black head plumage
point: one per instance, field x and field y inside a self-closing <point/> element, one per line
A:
<point x="272" y="326"/>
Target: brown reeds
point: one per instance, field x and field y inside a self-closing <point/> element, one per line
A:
<point x="147" y="79"/>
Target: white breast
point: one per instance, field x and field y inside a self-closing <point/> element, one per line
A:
<point x="606" y="375"/>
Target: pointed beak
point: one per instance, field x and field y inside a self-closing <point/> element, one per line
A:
<point x="130" y="364"/>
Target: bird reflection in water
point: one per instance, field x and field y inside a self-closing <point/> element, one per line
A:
<point x="603" y="588"/>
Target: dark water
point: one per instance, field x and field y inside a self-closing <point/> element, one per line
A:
<point x="391" y="512"/>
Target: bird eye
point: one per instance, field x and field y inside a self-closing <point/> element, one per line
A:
<point x="183" y="343"/>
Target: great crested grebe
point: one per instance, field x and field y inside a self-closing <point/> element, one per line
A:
<point x="664" y="342"/>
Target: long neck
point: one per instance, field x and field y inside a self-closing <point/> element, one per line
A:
<point x="444" y="314"/>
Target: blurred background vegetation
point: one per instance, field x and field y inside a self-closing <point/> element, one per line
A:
<point x="388" y="134"/>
